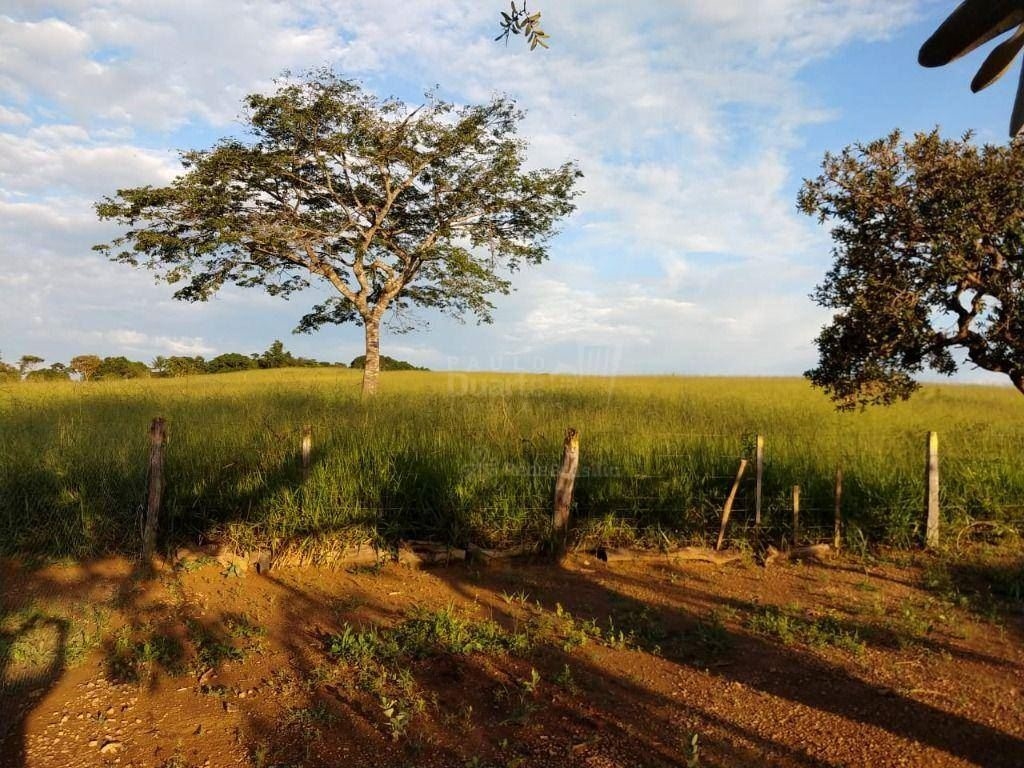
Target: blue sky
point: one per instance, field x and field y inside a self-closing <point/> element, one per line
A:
<point x="693" y="122"/>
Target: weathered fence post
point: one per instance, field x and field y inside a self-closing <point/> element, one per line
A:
<point x="837" y="531"/>
<point x="758" y="477"/>
<point x="155" y="490"/>
<point x="727" y="510"/>
<point x="563" y="487"/>
<point x="931" y="526"/>
<point x="306" y="449"/>
<point x="796" y="514"/>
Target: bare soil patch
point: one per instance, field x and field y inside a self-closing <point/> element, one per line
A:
<point x="910" y="661"/>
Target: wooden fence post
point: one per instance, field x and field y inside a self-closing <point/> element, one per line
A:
<point x="931" y="526"/>
<point x="306" y="449"/>
<point x="796" y="514"/>
<point x="155" y="490"/>
<point x="727" y="510"/>
<point x="563" y="487"/>
<point x="838" y="531"/>
<point x="758" y="477"/>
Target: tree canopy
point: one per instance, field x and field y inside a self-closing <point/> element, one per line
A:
<point x="390" y="207"/>
<point x="928" y="263"/>
<point x="121" y="368"/>
<point x="386" y="364"/>
<point x="86" y="365"/>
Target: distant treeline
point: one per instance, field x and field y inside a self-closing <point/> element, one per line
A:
<point x="96" y="368"/>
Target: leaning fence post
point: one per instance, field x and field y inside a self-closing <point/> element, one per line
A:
<point x="727" y="510"/>
<point x="931" y="526"/>
<point x="155" y="490"/>
<point x="563" y="487"/>
<point x="306" y="449"/>
<point x="796" y="514"/>
<point x="837" y="532"/>
<point x="758" y="477"/>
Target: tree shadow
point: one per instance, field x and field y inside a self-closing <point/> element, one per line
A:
<point x="808" y="680"/>
<point x="490" y="713"/>
<point x="37" y="644"/>
<point x="21" y="690"/>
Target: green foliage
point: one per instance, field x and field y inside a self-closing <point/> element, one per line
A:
<point x="212" y="648"/>
<point x="386" y="364"/>
<point x="395" y="716"/>
<point x="137" y="654"/>
<point x="929" y="263"/>
<point x="56" y="372"/>
<point x="790" y="627"/>
<point x="177" y="365"/>
<point x="121" y="368"/>
<point x="422" y="635"/>
<point x="8" y="373"/>
<point x="229" y="362"/>
<point x="276" y="356"/>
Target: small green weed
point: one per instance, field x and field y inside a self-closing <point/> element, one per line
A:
<point x="790" y="628"/>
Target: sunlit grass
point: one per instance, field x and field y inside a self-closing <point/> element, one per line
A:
<point x="463" y="457"/>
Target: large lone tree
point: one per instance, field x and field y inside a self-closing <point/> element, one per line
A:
<point x="928" y="263"/>
<point x="393" y="207"/>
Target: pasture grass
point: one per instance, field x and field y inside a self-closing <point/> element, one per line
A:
<point x="471" y="457"/>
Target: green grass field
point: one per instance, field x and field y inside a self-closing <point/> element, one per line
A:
<point x="471" y="457"/>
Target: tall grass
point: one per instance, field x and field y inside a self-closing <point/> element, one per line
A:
<point x="463" y="457"/>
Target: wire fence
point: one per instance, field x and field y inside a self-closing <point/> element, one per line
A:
<point x="75" y="485"/>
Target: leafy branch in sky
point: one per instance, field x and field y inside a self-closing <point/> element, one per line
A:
<point x="519" y="21"/>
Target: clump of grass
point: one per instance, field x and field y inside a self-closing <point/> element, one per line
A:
<point x="790" y="628"/>
<point x="241" y="627"/>
<point x="212" y="649"/>
<point x="313" y="716"/>
<point x="33" y="636"/>
<point x="136" y="654"/>
<point x="559" y="628"/>
<point x="711" y="635"/>
<point x="424" y="634"/>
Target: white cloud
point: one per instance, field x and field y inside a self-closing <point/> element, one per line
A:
<point x="142" y="343"/>
<point x="13" y="117"/>
<point x="54" y="159"/>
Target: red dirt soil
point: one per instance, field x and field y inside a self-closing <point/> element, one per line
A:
<point x="837" y="664"/>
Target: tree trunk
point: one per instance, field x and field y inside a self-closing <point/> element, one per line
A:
<point x="371" y="368"/>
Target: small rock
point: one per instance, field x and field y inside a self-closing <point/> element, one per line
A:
<point x="94" y="743"/>
<point x="110" y="747"/>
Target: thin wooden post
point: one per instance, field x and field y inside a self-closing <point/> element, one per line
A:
<point x="796" y="514"/>
<point x="563" y="487"/>
<point x="306" y="449"/>
<point x="155" y="490"/>
<point x="837" y="533"/>
<point x="758" y="477"/>
<point x="931" y="526"/>
<point x="727" y="510"/>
